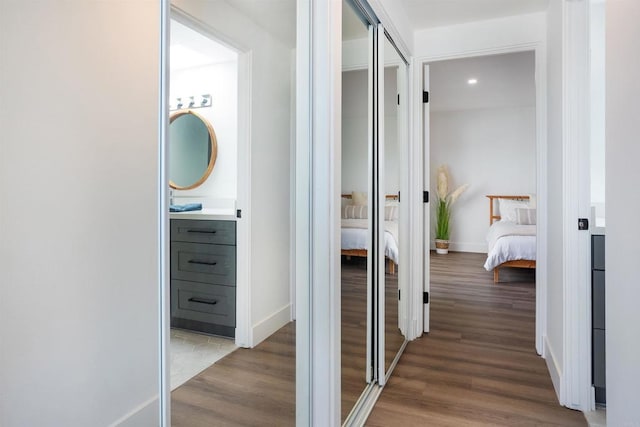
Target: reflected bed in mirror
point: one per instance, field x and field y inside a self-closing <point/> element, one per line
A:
<point x="193" y="149"/>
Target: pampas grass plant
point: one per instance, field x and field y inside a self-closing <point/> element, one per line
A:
<point x="446" y="200"/>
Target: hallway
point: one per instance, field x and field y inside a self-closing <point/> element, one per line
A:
<point x="478" y="365"/>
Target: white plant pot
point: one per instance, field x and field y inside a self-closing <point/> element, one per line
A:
<point x="442" y="247"/>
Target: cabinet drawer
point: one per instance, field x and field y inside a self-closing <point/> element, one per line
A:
<point x="199" y="231"/>
<point x="598" y="295"/>
<point x="203" y="303"/>
<point x="197" y="262"/>
<point x="597" y="252"/>
<point x="599" y="358"/>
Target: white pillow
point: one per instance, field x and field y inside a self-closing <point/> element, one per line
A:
<point x="359" y="198"/>
<point x="526" y="216"/>
<point x="355" y="212"/>
<point x="508" y="209"/>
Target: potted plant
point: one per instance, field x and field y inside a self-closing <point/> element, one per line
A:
<point x="445" y="201"/>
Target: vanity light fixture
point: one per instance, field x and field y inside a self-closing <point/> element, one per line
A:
<point x="196" y="101"/>
<point x="472" y="82"/>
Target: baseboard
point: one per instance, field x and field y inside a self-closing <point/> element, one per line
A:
<point x="266" y="327"/>
<point x="480" y="248"/>
<point x="145" y="414"/>
<point x="554" y="371"/>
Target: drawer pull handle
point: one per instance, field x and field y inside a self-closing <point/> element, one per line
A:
<point x="195" y="261"/>
<point x="203" y="300"/>
<point x="202" y="231"/>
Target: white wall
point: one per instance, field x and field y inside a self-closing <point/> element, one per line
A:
<point x="355" y="173"/>
<point x="221" y="81"/>
<point x="622" y="151"/>
<point x="555" y="259"/>
<point x="270" y="130"/>
<point x="597" y="41"/>
<point x="78" y="213"/>
<point x="479" y="36"/>
<point x="494" y="150"/>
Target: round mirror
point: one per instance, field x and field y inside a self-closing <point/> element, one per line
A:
<point x="192" y="149"/>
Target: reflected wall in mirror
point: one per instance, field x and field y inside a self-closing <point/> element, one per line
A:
<point x="193" y="149"/>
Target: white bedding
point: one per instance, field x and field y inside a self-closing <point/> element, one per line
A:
<point x="509" y="241"/>
<point x="355" y="235"/>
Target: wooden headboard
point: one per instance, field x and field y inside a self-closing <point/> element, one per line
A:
<point x="492" y="198"/>
<point x="388" y="196"/>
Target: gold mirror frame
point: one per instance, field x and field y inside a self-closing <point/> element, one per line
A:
<point x="214" y="148"/>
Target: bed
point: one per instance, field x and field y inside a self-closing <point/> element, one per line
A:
<point x="355" y="235"/>
<point x="511" y="240"/>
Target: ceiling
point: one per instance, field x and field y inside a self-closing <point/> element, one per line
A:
<point x="189" y="48"/>
<point x="438" y="13"/>
<point x="278" y="17"/>
<point x="503" y="81"/>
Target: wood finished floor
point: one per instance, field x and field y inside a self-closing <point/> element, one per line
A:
<point x="256" y="387"/>
<point x="478" y="365"/>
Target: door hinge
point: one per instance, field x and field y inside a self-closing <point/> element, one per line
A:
<point x="398" y="294"/>
<point x="425" y="197"/>
<point x="398" y="99"/>
<point x="583" y="224"/>
<point x="398" y="197"/>
<point x="425" y="297"/>
<point x="239" y="213"/>
<point x="425" y="97"/>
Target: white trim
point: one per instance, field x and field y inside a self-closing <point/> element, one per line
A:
<point x="164" y="291"/>
<point x="144" y="414"/>
<point x="363" y="407"/>
<point x="539" y="48"/>
<point x="324" y="226"/>
<point x="244" y="336"/>
<point x="303" y="213"/>
<point x="554" y="371"/>
<point x="576" y="204"/>
<point x="379" y="187"/>
<point x="267" y="326"/>
<point x="292" y="191"/>
<point x="415" y="205"/>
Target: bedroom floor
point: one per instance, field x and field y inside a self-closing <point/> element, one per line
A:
<point x="478" y="365"/>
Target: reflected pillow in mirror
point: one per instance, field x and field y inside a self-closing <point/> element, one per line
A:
<point x="359" y="198"/>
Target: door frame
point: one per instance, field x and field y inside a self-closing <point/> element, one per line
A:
<point x="419" y="168"/>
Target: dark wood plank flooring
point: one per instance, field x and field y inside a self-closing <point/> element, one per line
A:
<point x="478" y="365"/>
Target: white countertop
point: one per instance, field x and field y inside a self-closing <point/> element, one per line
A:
<point x="224" y="214"/>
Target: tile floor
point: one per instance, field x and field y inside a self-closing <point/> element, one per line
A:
<point x="597" y="418"/>
<point x="191" y="353"/>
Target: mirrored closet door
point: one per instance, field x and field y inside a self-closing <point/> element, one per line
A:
<point x="393" y="180"/>
<point x="357" y="209"/>
<point x="232" y="349"/>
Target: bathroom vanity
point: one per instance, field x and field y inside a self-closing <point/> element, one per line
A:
<point x="203" y="272"/>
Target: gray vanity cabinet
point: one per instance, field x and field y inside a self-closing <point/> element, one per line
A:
<point x="203" y="276"/>
<point x="598" y="356"/>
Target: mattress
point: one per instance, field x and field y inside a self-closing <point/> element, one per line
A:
<point x="355" y="235"/>
<point x="510" y="242"/>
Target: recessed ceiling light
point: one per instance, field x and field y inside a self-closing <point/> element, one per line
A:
<point x="472" y="81"/>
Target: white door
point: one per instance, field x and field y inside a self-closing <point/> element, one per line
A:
<point x="426" y="210"/>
